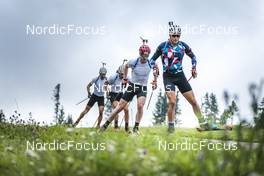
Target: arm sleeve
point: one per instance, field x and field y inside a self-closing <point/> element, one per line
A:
<point x="189" y="52"/>
<point x="156" y="55"/>
<point x="93" y="80"/>
<point x="131" y="63"/>
<point x="155" y="69"/>
<point x="111" y="79"/>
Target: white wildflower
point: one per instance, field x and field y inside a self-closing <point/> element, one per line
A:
<point x="69" y="130"/>
<point x="123" y="155"/>
<point x="111" y="148"/>
<point x="69" y="160"/>
<point x="200" y="156"/>
<point x="153" y="158"/>
<point x="142" y="152"/>
<point x="42" y="170"/>
<point x="164" y="174"/>
<point x="253" y="174"/>
<point x="13" y="161"/>
<point x="32" y="154"/>
<point x="9" y="148"/>
<point x="92" y="133"/>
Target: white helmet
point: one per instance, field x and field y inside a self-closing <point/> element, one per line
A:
<point x="174" y="29"/>
<point x="121" y="69"/>
<point x="103" y="70"/>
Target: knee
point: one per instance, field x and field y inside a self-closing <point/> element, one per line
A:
<point x="172" y="100"/>
<point x="120" y="107"/>
<point x="86" y="110"/>
<point x="101" y="111"/>
<point x="172" y="103"/>
<point x="140" y="106"/>
<point x="114" y="105"/>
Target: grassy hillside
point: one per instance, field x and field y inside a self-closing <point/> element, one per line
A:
<point x="116" y="153"/>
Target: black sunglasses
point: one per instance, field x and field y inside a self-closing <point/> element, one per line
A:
<point x="175" y="35"/>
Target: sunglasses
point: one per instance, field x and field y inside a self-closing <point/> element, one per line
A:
<point x="175" y="36"/>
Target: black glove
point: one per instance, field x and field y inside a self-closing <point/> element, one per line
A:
<point x="89" y="94"/>
<point x="194" y="72"/>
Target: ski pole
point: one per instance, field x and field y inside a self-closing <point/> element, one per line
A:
<point x="97" y="118"/>
<point x="190" y="78"/>
<point x="150" y="98"/>
<point x="188" y="81"/>
<point x="106" y="101"/>
<point x="123" y="116"/>
<point x="122" y="121"/>
<point x="82" y="101"/>
<point x="95" y="123"/>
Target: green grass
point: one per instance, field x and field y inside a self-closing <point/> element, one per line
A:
<point x="126" y="154"/>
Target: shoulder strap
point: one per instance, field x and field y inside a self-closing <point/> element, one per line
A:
<point x="116" y="77"/>
<point x="136" y="62"/>
<point x="96" y="80"/>
<point x="149" y="64"/>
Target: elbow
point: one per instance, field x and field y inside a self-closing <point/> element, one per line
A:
<point x="88" y="86"/>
